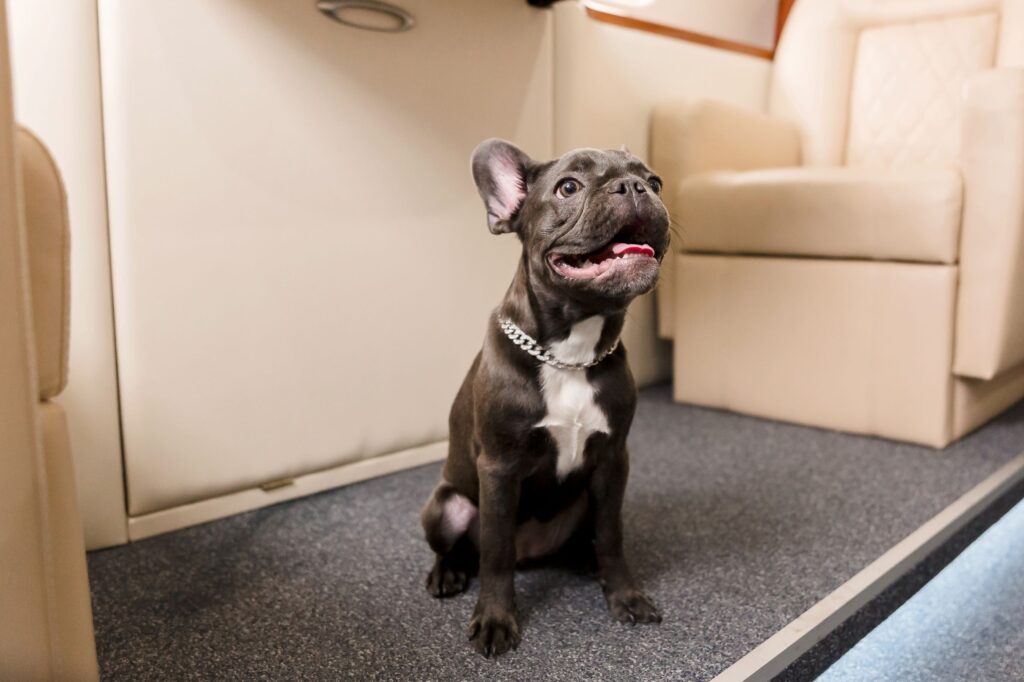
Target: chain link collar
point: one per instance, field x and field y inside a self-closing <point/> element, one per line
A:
<point x="530" y="345"/>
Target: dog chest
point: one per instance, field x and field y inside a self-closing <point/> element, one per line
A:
<point x="572" y="413"/>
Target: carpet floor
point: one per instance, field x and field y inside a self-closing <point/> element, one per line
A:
<point x="735" y="526"/>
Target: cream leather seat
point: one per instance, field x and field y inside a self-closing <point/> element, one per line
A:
<point x="54" y="562"/>
<point x="46" y="623"/>
<point x="853" y="258"/>
<point x="888" y="214"/>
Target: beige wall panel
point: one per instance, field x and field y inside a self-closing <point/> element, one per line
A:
<point x="852" y="345"/>
<point x="607" y="81"/>
<point x="57" y="94"/>
<point x="302" y="268"/>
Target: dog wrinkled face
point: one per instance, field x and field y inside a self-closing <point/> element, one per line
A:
<point x="592" y="222"/>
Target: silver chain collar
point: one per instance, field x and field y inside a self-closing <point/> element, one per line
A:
<point x="530" y="345"/>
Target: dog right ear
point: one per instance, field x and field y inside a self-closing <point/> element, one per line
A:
<point x="499" y="170"/>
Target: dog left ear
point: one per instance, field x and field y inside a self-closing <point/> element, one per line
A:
<point x="499" y="170"/>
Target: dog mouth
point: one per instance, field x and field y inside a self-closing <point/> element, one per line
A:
<point x="624" y="251"/>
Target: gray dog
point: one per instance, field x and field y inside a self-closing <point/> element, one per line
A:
<point x="537" y="459"/>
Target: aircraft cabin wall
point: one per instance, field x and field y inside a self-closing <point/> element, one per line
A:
<point x="270" y="182"/>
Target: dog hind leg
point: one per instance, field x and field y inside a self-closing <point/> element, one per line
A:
<point x="449" y="521"/>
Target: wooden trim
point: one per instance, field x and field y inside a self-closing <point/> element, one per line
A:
<point x="609" y="15"/>
<point x="780" y="18"/>
<point x="672" y="32"/>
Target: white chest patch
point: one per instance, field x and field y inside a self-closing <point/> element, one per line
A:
<point x="572" y="413"/>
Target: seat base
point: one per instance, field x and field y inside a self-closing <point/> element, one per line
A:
<point x="976" y="401"/>
<point x="857" y="346"/>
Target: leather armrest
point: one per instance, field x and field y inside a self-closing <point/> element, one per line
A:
<point x="990" y="304"/>
<point x="696" y="136"/>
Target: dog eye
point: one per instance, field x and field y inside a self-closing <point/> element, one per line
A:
<point x="568" y="187"/>
<point x="655" y="182"/>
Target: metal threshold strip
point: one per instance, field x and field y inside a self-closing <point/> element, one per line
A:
<point x="785" y="646"/>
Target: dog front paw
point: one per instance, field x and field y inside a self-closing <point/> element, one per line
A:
<point x="493" y="630"/>
<point x="632" y="606"/>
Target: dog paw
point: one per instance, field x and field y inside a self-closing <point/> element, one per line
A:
<point x="632" y="606"/>
<point x="493" y="631"/>
<point x="445" y="581"/>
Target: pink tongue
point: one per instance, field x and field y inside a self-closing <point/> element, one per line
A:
<point x="619" y="249"/>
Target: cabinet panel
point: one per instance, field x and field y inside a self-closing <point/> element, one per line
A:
<point x="302" y="269"/>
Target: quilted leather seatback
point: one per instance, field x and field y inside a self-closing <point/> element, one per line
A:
<point x="907" y="87"/>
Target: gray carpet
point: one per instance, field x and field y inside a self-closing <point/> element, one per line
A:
<point x="735" y="525"/>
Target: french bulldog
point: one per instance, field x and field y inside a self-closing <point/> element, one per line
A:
<point x="537" y="454"/>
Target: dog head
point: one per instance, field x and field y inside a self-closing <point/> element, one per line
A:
<point x="592" y="223"/>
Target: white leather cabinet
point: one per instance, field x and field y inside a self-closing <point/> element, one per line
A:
<point x="301" y="265"/>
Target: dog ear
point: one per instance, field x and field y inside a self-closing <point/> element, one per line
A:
<point x="499" y="170"/>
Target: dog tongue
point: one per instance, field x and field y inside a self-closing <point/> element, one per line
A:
<point x="619" y="249"/>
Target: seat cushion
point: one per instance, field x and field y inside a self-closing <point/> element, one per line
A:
<point x="46" y="226"/>
<point x="839" y="212"/>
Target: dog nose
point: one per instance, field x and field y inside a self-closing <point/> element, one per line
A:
<point x="623" y="187"/>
